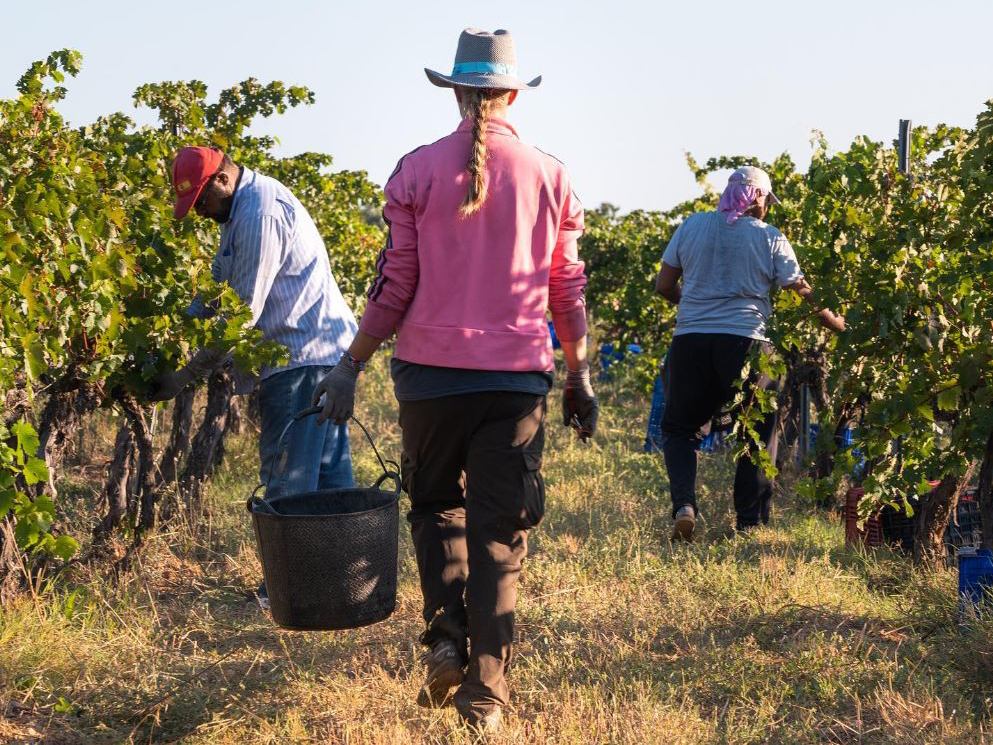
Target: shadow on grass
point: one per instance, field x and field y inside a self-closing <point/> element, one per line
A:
<point x="198" y="650"/>
<point x="219" y="656"/>
<point x="794" y="659"/>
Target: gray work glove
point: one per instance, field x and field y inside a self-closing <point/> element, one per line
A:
<point x="168" y="385"/>
<point x="338" y="390"/>
<point x="579" y="406"/>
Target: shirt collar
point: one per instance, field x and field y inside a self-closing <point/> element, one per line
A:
<point x="494" y="125"/>
<point x="245" y="177"/>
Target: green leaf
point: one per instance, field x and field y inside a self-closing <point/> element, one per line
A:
<point x="35" y="471"/>
<point x="34" y="359"/>
<point x="44" y="508"/>
<point x="26" y="533"/>
<point x="65" y="547"/>
<point x="900" y="429"/>
<point x="7" y="497"/>
<point x="27" y="438"/>
<point x="948" y="399"/>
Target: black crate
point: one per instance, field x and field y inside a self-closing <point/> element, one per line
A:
<point x="965" y="529"/>
<point x="969" y="530"/>
<point x="898" y="528"/>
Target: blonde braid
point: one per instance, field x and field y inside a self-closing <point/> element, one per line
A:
<point x="477" y="103"/>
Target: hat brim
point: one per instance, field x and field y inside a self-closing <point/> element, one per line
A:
<point x="185" y="204"/>
<point x="481" y="80"/>
<point x="774" y="198"/>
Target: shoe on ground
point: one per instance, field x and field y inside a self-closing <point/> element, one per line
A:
<point x="483" y="724"/>
<point x="446" y="671"/>
<point x="262" y="597"/>
<point x="685" y="524"/>
<point x="744" y="529"/>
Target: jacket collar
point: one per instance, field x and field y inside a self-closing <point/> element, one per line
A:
<point x="494" y="125"/>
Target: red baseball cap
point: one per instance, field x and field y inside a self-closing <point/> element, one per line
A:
<point x="191" y="170"/>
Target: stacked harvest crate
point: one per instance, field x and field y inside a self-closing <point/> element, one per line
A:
<point x="891" y="526"/>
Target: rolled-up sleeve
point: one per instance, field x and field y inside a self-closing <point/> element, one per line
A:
<point x="567" y="279"/>
<point x="397" y="269"/>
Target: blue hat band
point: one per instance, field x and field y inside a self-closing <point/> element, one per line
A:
<point x="499" y="68"/>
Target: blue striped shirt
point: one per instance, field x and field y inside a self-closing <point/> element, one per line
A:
<point x="273" y="256"/>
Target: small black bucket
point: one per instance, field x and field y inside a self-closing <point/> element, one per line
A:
<point x="330" y="557"/>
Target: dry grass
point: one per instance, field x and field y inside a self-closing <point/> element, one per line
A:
<point x="781" y="637"/>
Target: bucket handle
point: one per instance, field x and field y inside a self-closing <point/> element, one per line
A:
<point x="387" y="473"/>
<point x="262" y="505"/>
<point x="392" y="476"/>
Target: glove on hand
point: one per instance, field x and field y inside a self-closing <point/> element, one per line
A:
<point x="338" y="389"/>
<point x="204" y="362"/>
<point x="167" y="386"/>
<point x="579" y="406"/>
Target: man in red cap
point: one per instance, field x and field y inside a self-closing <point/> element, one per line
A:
<point x="192" y="170"/>
<point x="273" y="256"/>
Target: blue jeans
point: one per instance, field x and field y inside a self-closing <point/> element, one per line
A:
<point x="317" y="455"/>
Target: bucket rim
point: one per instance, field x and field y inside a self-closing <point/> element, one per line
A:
<point x="394" y="500"/>
<point x="380" y="615"/>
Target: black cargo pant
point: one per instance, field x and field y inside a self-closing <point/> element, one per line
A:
<point x="471" y="467"/>
<point x="699" y="380"/>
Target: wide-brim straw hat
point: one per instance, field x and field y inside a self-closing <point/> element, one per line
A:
<point x="484" y="60"/>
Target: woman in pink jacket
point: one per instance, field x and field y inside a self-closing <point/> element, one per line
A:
<point x="482" y="242"/>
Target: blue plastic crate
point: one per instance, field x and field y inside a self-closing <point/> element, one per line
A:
<point x="716" y="442"/>
<point x="847" y="441"/>
<point x="609" y="355"/>
<point x="975" y="576"/>
<point x="653" y="438"/>
<point x="707" y="444"/>
<point x="847" y="435"/>
<point x="712" y="443"/>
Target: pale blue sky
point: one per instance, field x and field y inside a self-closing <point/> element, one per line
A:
<point x="628" y="85"/>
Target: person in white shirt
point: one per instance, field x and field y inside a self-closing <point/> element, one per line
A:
<point x="729" y="261"/>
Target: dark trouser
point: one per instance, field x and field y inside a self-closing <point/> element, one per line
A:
<point x="699" y="380"/>
<point x="471" y="467"/>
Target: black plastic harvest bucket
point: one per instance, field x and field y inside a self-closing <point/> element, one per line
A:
<point x="329" y="557"/>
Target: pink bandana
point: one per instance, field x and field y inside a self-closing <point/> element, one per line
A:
<point x="737" y="198"/>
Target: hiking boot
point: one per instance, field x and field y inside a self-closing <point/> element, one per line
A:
<point x="483" y="724"/>
<point x="684" y="525"/>
<point x="446" y="670"/>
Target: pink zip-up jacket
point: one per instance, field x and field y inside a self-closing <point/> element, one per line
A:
<point x="472" y="292"/>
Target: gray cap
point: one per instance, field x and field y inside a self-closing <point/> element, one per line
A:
<point x="484" y="60"/>
<point x="754" y="177"/>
